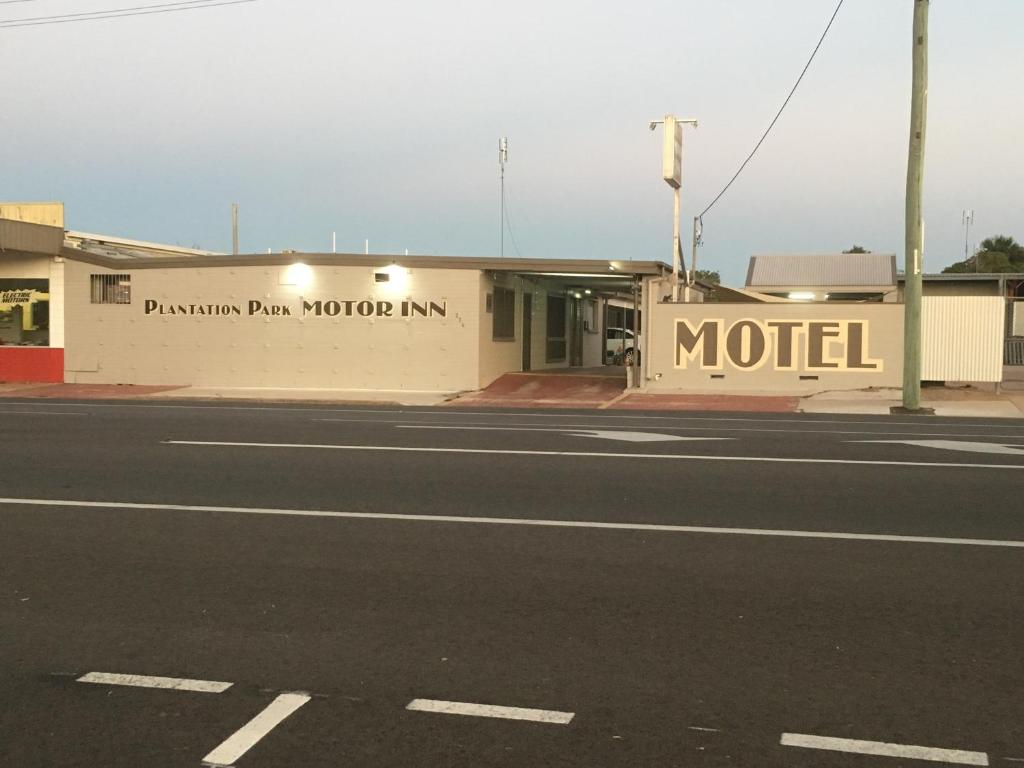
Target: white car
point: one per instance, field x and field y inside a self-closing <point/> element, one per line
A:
<point x="619" y="346"/>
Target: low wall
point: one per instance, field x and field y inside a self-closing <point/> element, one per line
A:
<point x="790" y="348"/>
<point x="31" y="365"/>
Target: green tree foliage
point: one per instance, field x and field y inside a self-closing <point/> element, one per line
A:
<point x="858" y="249"/>
<point x="708" y="276"/>
<point x="1000" y="253"/>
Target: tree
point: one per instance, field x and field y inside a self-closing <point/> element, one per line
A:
<point x="858" y="249"/>
<point x="707" y="276"/>
<point x="1000" y="253"/>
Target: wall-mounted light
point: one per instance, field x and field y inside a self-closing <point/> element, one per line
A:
<point x="393" y="278"/>
<point x="298" y="274"/>
<point x="801" y="295"/>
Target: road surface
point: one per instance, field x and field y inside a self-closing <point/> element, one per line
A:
<point x="258" y="585"/>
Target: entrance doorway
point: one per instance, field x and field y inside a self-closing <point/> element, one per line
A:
<point x="575" y="332"/>
<point x="527" y="328"/>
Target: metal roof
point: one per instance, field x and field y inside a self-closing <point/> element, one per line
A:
<point x="170" y="258"/>
<point x="123" y="248"/>
<point x="825" y="270"/>
<point x="26" y="237"/>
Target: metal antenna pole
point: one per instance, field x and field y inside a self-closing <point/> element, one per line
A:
<point x="502" y="159"/>
<point x="967" y="220"/>
<point x="914" y="246"/>
<point x="234" y="229"/>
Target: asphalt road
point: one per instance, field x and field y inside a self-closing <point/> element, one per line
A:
<point x="687" y="601"/>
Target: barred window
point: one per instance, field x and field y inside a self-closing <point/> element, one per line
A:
<point x="504" y="318"/>
<point x="110" y="289"/>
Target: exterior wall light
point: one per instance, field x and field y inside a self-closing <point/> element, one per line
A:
<point x="298" y="274"/>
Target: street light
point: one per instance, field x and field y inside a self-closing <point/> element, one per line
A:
<point x="672" y="173"/>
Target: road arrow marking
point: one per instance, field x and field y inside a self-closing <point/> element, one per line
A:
<point x="602" y="434"/>
<point x="1006" y="449"/>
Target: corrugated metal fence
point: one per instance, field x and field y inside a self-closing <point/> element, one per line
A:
<point x="962" y="338"/>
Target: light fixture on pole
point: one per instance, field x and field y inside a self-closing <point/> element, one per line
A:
<point x="502" y="159"/>
<point x="672" y="173"/>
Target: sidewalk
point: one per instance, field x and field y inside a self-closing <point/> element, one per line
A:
<point x="947" y="401"/>
<point x="559" y="392"/>
<point x="137" y="392"/>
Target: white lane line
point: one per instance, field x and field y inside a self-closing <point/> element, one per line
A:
<point x="883" y="749"/>
<point x="246" y="737"/>
<point x="405" y="423"/>
<point x="42" y="413"/>
<point x="490" y="710"/>
<point x="530" y="522"/>
<point x="150" y="681"/>
<point x="519" y="414"/>
<point x="587" y="454"/>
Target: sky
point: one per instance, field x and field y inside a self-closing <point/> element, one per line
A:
<point x="380" y="120"/>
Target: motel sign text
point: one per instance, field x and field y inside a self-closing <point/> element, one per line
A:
<point x="782" y="345"/>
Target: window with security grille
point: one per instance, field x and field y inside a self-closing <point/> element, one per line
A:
<point x="110" y="289"/>
<point x="504" y="317"/>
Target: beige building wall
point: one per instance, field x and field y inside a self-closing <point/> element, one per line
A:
<point x="50" y="214"/>
<point x="498" y="356"/>
<point x="57" y="302"/>
<point x="121" y="343"/>
<point x="834" y="347"/>
<point x="24" y="265"/>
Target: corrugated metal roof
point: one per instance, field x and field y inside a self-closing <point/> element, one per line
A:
<point x="822" y="270"/>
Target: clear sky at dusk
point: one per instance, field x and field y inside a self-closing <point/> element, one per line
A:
<point x="380" y="120"/>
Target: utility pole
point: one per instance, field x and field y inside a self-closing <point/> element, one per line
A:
<point x="234" y="229"/>
<point x="967" y="219"/>
<point x="696" y="241"/>
<point x="914" y="245"/>
<point x="502" y="159"/>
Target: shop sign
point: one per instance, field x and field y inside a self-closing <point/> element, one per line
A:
<point x="16" y="297"/>
<point x="318" y="308"/>
<point x="781" y="345"/>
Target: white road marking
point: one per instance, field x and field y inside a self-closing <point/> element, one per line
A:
<point x="43" y="413"/>
<point x="149" y="681"/>
<point x="883" y="749"/>
<point x="605" y="434"/>
<point x="698" y="728"/>
<point x="246" y="737"/>
<point x="663" y="427"/>
<point x="520" y="414"/>
<point x="584" y="454"/>
<point x="530" y="522"/>
<point x="490" y="710"/>
<point x="1006" y="449"/>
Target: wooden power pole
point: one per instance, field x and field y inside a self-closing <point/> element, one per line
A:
<point x="914" y="253"/>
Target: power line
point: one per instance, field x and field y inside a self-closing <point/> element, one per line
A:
<point x="109" y="10"/>
<point x="117" y="13"/>
<point x="779" y="113"/>
<point x="508" y="223"/>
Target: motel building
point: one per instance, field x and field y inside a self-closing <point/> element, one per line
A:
<point x="91" y="309"/>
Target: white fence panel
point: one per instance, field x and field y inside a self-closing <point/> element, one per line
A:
<point x="962" y="338"/>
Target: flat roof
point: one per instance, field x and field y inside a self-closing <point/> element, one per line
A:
<point x="130" y="258"/>
<point x="967" y="276"/>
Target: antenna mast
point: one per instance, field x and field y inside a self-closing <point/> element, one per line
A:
<point x="967" y="219"/>
<point x="502" y="159"/>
